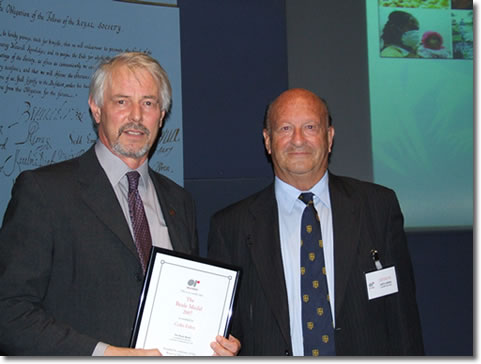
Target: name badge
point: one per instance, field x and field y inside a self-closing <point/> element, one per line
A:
<point x="381" y="283"/>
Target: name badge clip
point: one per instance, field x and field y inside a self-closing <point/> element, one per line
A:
<point x="382" y="281"/>
<point x="375" y="258"/>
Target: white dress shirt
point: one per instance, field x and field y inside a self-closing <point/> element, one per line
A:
<point x="290" y="215"/>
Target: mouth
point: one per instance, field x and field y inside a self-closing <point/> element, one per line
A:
<point x="134" y="130"/>
<point x="298" y="152"/>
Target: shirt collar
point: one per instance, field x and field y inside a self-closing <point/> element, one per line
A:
<point x="287" y="195"/>
<point x="115" y="168"/>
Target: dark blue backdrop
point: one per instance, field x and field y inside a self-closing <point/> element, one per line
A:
<point x="234" y="61"/>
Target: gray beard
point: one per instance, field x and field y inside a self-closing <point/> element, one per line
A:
<point x="119" y="148"/>
<point x="130" y="153"/>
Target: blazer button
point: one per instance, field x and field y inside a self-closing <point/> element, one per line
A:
<point x="287" y="353"/>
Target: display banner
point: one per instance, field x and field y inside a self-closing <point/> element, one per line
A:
<point x="421" y="102"/>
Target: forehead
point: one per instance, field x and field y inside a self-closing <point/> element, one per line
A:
<point x="124" y="77"/>
<point x="300" y="107"/>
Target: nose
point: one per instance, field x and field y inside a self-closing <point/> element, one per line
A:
<point x="297" y="137"/>
<point x="136" y="112"/>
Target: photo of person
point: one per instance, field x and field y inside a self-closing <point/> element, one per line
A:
<point x="432" y="46"/>
<point x="419" y="33"/>
<point x="400" y="36"/>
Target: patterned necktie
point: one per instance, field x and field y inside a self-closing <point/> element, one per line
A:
<point x="142" y="238"/>
<point x="317" y="323"/>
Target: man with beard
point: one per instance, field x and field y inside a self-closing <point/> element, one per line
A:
<point x="72" y="252"/>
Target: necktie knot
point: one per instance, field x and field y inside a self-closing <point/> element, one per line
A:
<point x="307" y="198"/>
<point x="133" y="178"/>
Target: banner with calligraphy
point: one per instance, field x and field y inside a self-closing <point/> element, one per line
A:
<point x="48" y="51"/>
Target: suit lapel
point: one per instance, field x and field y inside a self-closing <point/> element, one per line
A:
<point x="264" y="245"/>
<point x="98" y="194"/>
<point x="175" y="223"/>
<point x="346" y="229"/>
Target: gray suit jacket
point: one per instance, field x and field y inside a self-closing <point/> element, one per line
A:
<point x="69" y="271"/>
<point x="365" y="217"/>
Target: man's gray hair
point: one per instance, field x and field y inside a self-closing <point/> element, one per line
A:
<point x="133" y="60"/>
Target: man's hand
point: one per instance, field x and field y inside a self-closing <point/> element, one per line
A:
<point x="117" y="351"/>
<point x="225" y="347"/>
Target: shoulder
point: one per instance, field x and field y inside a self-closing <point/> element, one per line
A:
<point x="53" y="174"/>
<point x="43" y="188"/>
<point x="393" y="51"/>
<point x="377" y="203"/>
<point x="263" y="199"/>
<point x="360" y="189"/>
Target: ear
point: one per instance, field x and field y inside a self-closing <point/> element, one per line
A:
<point x="161" y="121"/>
<point x="330" y="136"/>
<point x="95" y="110"/>
<point x="267" y="140"/>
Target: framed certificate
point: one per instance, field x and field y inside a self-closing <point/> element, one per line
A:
<point x="185" y="303"/>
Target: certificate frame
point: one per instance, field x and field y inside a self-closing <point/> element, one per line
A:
<point x="184" y="303"/>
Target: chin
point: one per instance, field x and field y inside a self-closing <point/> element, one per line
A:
<point x="300" y="168"/>
<point x="132" y="152"/>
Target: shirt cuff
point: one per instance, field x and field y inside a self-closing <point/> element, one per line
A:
<point x="100" y="349"/>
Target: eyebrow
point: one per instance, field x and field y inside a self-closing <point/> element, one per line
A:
<point x="150" y="97"/>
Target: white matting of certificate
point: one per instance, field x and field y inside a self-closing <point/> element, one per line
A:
<point x="184" y="304"/>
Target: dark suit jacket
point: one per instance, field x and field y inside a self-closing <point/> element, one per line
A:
<point x="365" y="217"/>
<point x="70" y="275"/>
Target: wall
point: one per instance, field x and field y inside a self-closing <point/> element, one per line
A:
<point x="233" y="64"/>
<point x="327" y="54"/>
<point x="443" y="267"/>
